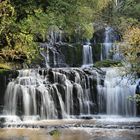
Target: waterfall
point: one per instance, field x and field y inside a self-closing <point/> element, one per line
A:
<point x="114" y="95"/>
<point x="110" y="50"/>
<point x="107" y="45"/>
<point x="116" y="2"/>
<point x="54" y="35"/>
<point x="50" y="50"/>
<point x="45" y="55"/>
<point x="70" y="92"/>
<point x="52" y="56"/>
<point x="87" y="55"/>
<point x="51" y="93"/>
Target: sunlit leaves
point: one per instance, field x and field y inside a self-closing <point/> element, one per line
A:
<point x="131" y="48"/>
<point x="103" y="4"/>
<point x="132" y="36"/>
<point x="6" y="9"/>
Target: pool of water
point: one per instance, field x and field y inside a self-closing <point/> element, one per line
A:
<point x="97" y="128"/>
<point x="69" y="134"/>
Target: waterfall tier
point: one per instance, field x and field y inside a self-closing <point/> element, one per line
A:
<point x="70" y="92"/>
<point x="52" y="93"/>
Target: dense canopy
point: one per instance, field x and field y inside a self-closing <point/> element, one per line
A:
<point x="22" y="21"/>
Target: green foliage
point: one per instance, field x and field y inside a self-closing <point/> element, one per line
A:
<point x="131" y="47"/>
<point x="15" y="38"/>
<point x="20" y="21"/>
<point x="125" y="17"/>
<point x="108" y="63"/>
<point x="135" y="98"/>
<point x="4" y="66"/>
<point x="130" y="8"/>
<point x="130" y="29"/>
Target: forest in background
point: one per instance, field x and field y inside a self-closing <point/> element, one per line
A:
<point x="25" y="22"/>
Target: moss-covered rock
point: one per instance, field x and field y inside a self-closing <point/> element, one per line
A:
<point x="108" y="63"/>
<point x="96" y="50"/>
<point x="55" y="133"/>
<point x="72" y="54"/>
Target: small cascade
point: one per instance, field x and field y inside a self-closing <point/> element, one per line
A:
<point x="51" y="93"/>
<point x="50" y="50"/>
<point x="114" y="95"/>
<point x="87" y="55"/>
<point x="54" y="35"/>
<point x="116" y="2"/>
<point x="110" y="50"/>
<point x="107" y="45"/>
<point x="45" y="54"/>
<point x="52" y="55"/>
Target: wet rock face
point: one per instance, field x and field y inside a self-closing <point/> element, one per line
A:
<point x="5" y="77"/>
<point x="99" y="36"/>
<point x="62" y="55"/>
<point x="73" y="55"/>
<point x="103" y="43"/>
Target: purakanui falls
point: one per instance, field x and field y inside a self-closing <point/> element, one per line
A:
<point x="68" y="96"/>
<point x="69" y="69"/>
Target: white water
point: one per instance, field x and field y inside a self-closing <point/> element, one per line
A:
<point x="52" y="94"/>
<point x="110" y="50"/>
<point x="116" y="2"/>
<point x="49" y="50"/>
<point x="87" y="55"/>
<point x="45" y="55"/>
<point x="107" y="45"/>
<point x="114" y="95"/>
<point x="107" y="41"/>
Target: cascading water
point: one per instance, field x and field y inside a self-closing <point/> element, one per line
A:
<point x="107" y="45"/>
<point x="45" y="54"/>
<point x="114" y="95"/>
<point x="51" y="93"/>
<point x="87" y="55"/>
<point x="107" y="42"/>
<point x="50" y="50"/>
<point x="110" y="50"/>
<point x="55" y="93"/>
<point x="116" y="2"/>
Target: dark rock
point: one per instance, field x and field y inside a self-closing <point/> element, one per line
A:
<point x="86" y="117"/>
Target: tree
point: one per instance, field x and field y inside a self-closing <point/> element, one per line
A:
<point x="131" y="47"/>
<point x="21" y="20"/>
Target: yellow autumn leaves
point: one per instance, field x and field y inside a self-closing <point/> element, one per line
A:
<point x="131" y="47"/>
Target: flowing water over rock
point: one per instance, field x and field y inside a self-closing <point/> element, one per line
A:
<point x="52" y="93"/>
<point x="114" y="95"/>
<point x="110" y="50"/>
<point x="87" y="55"/>
<point x="68" y="100"/>
<point x="70" y="93"/>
